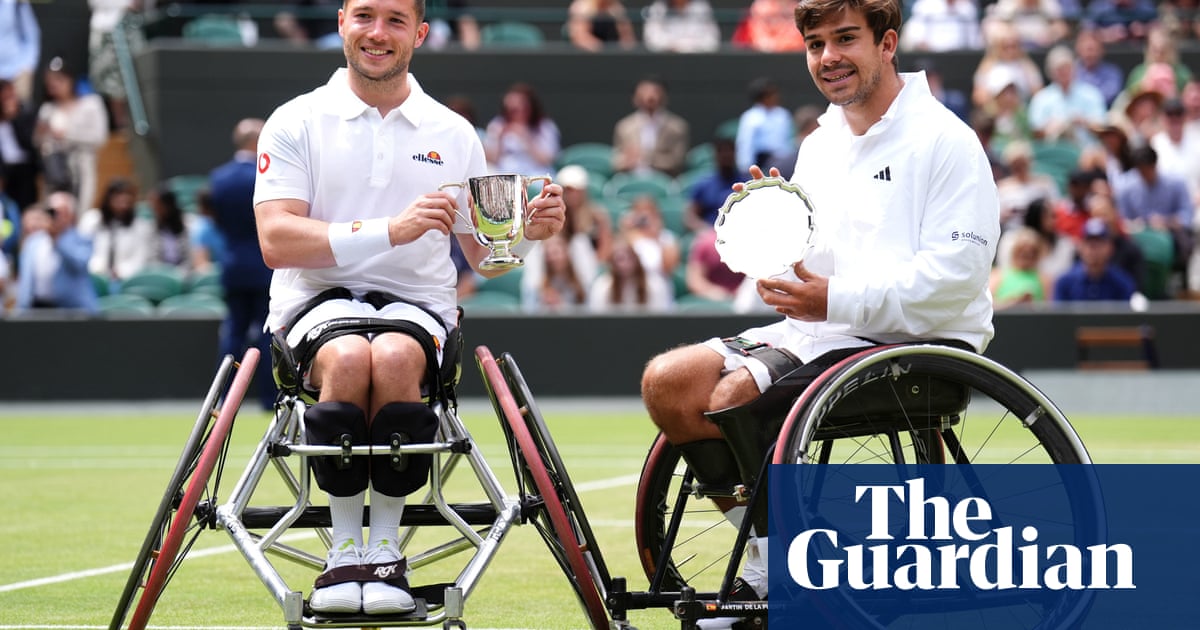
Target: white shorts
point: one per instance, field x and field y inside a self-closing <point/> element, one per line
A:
<point x="335" y="309"/>
<point x="783" y="335"/>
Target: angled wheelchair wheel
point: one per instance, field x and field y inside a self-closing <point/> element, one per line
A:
<point x="555" y="467"/>
<point x="929" y="404"/>
<point x="557" y="514"/>
<point x="179" y="518"/>
<point x="682" y="540"/>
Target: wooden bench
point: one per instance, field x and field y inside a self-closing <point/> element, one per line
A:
<point x="1116" y="348"/>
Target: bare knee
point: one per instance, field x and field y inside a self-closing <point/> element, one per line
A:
<point x="342" y="369"/>
<point x="675" y="389"/>
<point x="676" y="374"/>
<point x="396" y="351"/>
<point x="398" y="368"/>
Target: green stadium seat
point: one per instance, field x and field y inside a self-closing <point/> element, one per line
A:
<point x="1055" y="159"/>
<point x="491" y="302"/>
<point x="1158" y="250"/>
<point x="629" y="185"/>
<point x="156" y="284"/>
<point x="509" y="283"/>
<point x="101" y="284"/>
<point x="701" y="156"/>
<point x="673" y="209"/>
<point x="125" y="305"/>
<point x="679" y="280"/>
<point x="185" y="188"/>
<point x="728" y="129"/>
<point x="192" y="305"/>
<point x="616" y="207"/>
<point x="596" y="157"/>
<point x="695" y="304"/>
<point x="511" y="35"/>
<point x="214" y="30"/>
<point x="209" y="283"/>
<point x="688" y="179"/>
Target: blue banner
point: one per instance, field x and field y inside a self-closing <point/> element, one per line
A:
<point x="984" y="546"/>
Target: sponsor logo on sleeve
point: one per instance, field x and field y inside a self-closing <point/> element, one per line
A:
<point x="968" y="236"/>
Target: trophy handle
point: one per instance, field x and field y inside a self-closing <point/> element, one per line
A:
<point x="545" y="179"/>
<point x="467" y="219"/>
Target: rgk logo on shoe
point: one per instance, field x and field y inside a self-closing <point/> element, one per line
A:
<point x="386" y="571"/>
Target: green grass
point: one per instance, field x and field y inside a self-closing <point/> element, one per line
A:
<point x="78" y="491"/>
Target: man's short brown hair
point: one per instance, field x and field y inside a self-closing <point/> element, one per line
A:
<point x="881" y="15"/>
<point x="419" y="5"/>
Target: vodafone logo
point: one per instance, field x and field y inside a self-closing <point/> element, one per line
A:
<point x="264" y="163"/>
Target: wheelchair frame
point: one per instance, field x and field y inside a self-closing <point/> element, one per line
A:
<point x="547" y="499"/>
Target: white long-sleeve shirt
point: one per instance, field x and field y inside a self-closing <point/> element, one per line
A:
<point x="907" y="221"/>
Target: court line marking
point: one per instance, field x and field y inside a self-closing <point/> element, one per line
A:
<point x="126" y="566"/>
<point x="587" y="486"/>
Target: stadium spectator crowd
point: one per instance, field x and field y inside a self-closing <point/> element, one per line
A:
<point x="1098" y="170"/>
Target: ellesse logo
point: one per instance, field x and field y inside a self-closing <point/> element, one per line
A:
<point x="432" y="157"/>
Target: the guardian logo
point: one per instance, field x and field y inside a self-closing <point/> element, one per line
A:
<point x="948" y="545"/>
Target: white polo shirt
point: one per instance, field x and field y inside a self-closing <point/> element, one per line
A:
<point x="336" y="153"/>
<point x="908" y="221"/>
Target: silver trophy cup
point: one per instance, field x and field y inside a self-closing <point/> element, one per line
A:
<point x="498" y="214"/>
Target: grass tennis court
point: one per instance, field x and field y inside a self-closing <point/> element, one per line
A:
<point x="78" y="491"/>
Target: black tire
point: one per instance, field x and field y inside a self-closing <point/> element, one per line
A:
<point x="839" y="420"/>
<point x="698" y="547"/>
<point x="555" y="467"/>
<point x="558" y="525"/>
<point x="173" y="529"/>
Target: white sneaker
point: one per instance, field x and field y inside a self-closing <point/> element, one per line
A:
<point x="339" y="598"/>
<point x="752" y="585"/>
<point x="381" y="598"/>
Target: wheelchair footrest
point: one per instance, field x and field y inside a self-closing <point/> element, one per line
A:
<point x="361" y="620"/>
<point x="420" y="514"/>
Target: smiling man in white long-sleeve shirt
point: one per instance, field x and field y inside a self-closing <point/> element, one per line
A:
<point x="907" y="221"/>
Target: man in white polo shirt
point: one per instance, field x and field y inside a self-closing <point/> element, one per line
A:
<point x="352" y="220"/>
<point x="907" y="221"/>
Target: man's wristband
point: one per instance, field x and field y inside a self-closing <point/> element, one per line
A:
<point x="356" y="241"/>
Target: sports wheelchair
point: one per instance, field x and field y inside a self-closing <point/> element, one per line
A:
<point x="912" y="403"/>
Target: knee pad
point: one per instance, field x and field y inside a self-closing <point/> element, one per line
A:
<point x="337" y="423"/>
<point x="712" y="464"/>
<point x="395" y="424"/>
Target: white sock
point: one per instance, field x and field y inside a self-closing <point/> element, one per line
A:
<point x="735" y="515"/>
<point x="385" y="518"/>
<point x="346" y="514"/>
<point x="754" y="569"/>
